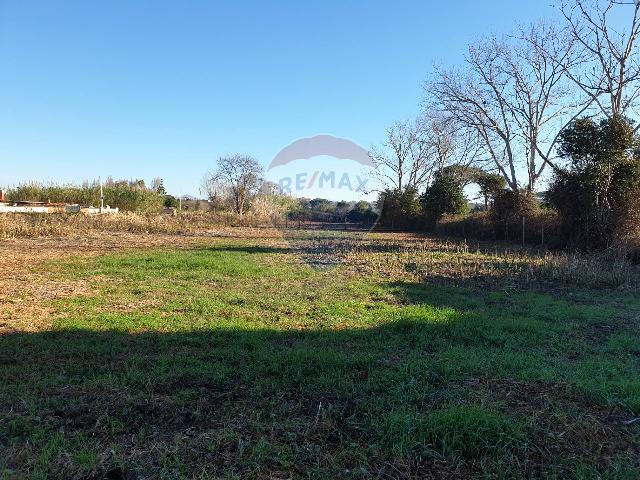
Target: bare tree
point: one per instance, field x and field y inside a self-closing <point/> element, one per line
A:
<point x="476" y="100"/>
<point x="511" y="97"/>
<point x="215" y="192"/>
<point x="541" y="101"/>
<point x="269" y="189"/>
<point x="452" y="144"/>
<point x="157" y="185"/>
<point x="239" y="175"/>
<point x="607" y="69"/>
<point x="414" y="151"/>
<point x="402" y="162"/>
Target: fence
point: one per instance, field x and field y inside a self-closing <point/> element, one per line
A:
<point x="542" y="228"/>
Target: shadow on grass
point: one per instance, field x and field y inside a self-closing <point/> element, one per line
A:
<point x="255" y="402"/>
<point x="439" y="292"/>
<point x="244" y="249"/>
<point x="401" y="399"/>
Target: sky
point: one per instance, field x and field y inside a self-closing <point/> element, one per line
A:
<point x="145" y="89"/>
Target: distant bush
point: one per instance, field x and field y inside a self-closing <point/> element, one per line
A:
<point x="362" y="212"/>
<point x="444" y="196"/>
<point x="33" y="225"/>
<point x="491" y="186"/>
<point x="171" y="202"/>
<point x="511" y="205"/>
<point x="273" y="205"/>
<point x="400" y="210"/>
<point x="127" y="196"/>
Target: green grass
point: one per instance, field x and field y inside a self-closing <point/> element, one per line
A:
<point x="240" y="361"/>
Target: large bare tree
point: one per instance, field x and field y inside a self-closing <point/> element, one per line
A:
<point x="512" y="97"/>
<point x="607" y="68"/>
<point x="542" y="101"/>
<point x="475" y="99"/>
<point x="239" y="175"/>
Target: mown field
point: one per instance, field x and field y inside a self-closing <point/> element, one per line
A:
<point x="353" y="357"/>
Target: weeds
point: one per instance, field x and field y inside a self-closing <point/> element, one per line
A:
<point x="458" y="263"/>
<point x="62" y="225"/>
<point x="393" y="255"/>
<point x="236" y="358"/>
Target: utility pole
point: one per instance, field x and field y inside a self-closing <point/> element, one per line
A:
<point x="101" y="196"/>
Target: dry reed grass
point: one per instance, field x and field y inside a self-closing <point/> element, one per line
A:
<point x="64" y="225"/>
<point x="457" y="262"/>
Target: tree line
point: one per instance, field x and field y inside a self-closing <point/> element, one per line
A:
<point x="553" y="103"/>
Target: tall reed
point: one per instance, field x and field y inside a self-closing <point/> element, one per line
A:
<point x="127" y="196"/>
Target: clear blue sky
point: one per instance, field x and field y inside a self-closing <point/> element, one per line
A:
<point x="143" y="89"/>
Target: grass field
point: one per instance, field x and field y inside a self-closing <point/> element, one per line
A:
<point x="240" y="358"/>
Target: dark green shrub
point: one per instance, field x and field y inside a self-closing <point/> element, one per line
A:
<point x="511" y="206"/>
<point x="400" y="210"/>
<point x="597" y="196"/>
<point x="171" y="202"/>
<point x="491" y="186"/>
<point x="444" y="196"/>
<point x="362" y="212"/>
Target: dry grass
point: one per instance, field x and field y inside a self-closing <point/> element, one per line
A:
<point x="59" y="225"/>
<point x="391" y="254"/>
<point x="222" y="352"/>
<point x="27" y="288"/>
<point x="457" y="262"/>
